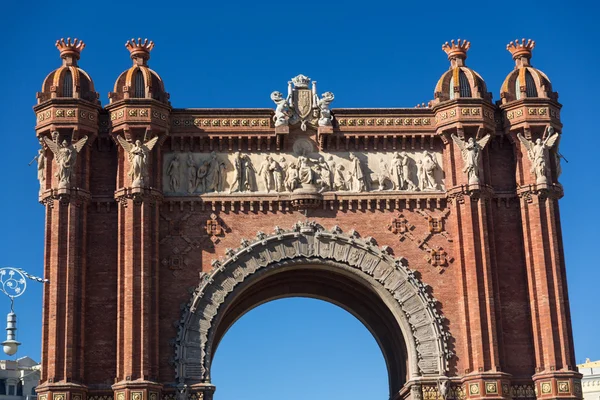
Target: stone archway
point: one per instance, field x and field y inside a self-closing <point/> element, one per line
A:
<point x="307" y="260"/>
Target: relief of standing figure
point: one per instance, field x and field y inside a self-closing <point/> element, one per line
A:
<point x="173" y="173"/>
<point x="360" y="180"/>
<point x="427" y="167"/>
<point x="265" y="173"/>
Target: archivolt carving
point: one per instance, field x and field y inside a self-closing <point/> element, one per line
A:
<point x="310" y="241"/>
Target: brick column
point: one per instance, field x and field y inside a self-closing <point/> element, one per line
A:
<point x="138" y="285"/>
<point x="555" y="375"/>
<point x="472" y="221"/>
<point x="63" y="331"/>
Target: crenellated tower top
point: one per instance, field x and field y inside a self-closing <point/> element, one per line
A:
<point x="70" y="51"/>
<point x="457" y="52"/>
<point x="521" y="51"/>
<point x="139" y="50"/>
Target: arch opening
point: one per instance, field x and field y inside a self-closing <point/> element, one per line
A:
<point x="299" y="347"/>
<point x="308" y="261"/>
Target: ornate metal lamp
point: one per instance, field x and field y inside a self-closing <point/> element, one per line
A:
<point x="13" y="283"/>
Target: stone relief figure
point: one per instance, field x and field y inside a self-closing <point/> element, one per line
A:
<point x="340" y="182"/>
<point x="41" y="167"/>
<point x="282" y="109"/>
<point x="215" y="178"/>
<point x="443" y="386"/>
<point x="471" y="154"/>
<point x="191" y="174"/>
<point x="325" y="113"/>
<point x="383" y="175"/>
<point x="400" y="172"/>
<point x="360" y="181"/>
<point x="238" y="182"/>
<point x="173" y="173"/>
<point x="201" y="175"/>
<point x="138" y="159"/>
<point x="426" y="168"/>
<point x="182" y="392"/>
<point x="65" y="156"/>
<point x="284" y="166"/>
<point x="305" y="171"/>
<point x="538" y="154"/>
<point x="292" y="178"/>
<point x="265" y="173"/>
<point x="324" y="179"/>
<point x="249" y="174"/>
<point x="277" y="172"/>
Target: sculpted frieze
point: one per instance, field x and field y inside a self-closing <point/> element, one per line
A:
<point x="304" y="170"/>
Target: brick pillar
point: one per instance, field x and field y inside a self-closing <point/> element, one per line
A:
<point x="63" y="331"/>
<point x="472" y="222"/>
<point x="555" y="375"/>
<point x="138" y="285"/>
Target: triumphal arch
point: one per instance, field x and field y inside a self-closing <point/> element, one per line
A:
<point x="436" y="226"/>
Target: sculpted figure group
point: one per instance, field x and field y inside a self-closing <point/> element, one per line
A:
<point x="320" y="174"/>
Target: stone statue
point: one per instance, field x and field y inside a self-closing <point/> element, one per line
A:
<point x="138" y="159"/>
<point x="471" y="154"/>
<point x="339" y="179"/>
<point x="238" y="182"/>
<point x="305" y="170"/>
<point x="400" y="172"/>
<point x="538" y="154"/>
<point x="324" y="178"/>
<point x="182" y="392"/>
<point x="325" y="113"/>
<point x="426" y="172"/>
<point x="215" y="178"/>
<point x="65" y="156"/>
<point x="284" y="167"/>
<point x="282" y="111"/>
<point x="265" y="173"/>
<point x="249" y="174"/>
<point x="292" y="178"/>
<point x="201" y="174"/>
<point x="41" y="167"/>
<point x="383" y="176"/>
<point x="173" y="173"/>
<point x="359" y="180"/>
<point x="277" y="175"/>
<point x="443" y="386"/>
<point x="192" y="183"/>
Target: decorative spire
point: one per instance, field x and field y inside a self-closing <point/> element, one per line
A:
<point x="140" y="50"/>
<point x="457" y="52"/>
<point x="521" y="52"/>
<point x="70" y="51"/>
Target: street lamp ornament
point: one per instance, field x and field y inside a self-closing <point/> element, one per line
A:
<point x="13" y="283"/>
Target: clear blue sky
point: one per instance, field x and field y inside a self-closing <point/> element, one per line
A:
<point x="370" y="54"/>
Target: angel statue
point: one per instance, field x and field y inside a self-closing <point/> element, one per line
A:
<point x="65" y="155"/>
<point x="138" y="159"/>
<point x="471" y="154"/>
<point x="538" y="153"/>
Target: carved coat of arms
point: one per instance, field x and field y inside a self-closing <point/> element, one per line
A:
<point x="302" y="105"/>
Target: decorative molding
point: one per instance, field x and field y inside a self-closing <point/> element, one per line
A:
<point x="308" y="240"/>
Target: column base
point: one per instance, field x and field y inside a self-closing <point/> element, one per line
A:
<point x="558" y="385"/>
<point x="137" y="390"/>
<point x="61" y="391"/>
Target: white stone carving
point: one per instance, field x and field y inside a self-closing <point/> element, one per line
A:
<point x="471" y="154"/>
<point x="282" y="111"/>
<point x="538" y="154"/>
<point x="325" y="117"/>
<point x="427" y="167"/>
<point x="65" y="156"/>
<point x="302" y="105"/>
<point x="310" y="171"/>
<point x="41" y="167"/>
<point x="138" y="154"/>
<point x="174" y="173"/>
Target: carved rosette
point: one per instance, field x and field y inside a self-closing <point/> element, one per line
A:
<point x="194" y="344"/>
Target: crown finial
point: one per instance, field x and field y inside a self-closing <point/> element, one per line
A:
<point x="139" y="50"/>
<point x="70" y="50"/>
<point x="521" y="49"/>
<point x="456" y="50"/>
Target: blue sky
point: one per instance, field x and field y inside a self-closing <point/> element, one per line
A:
<point x="370" y="54"/>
